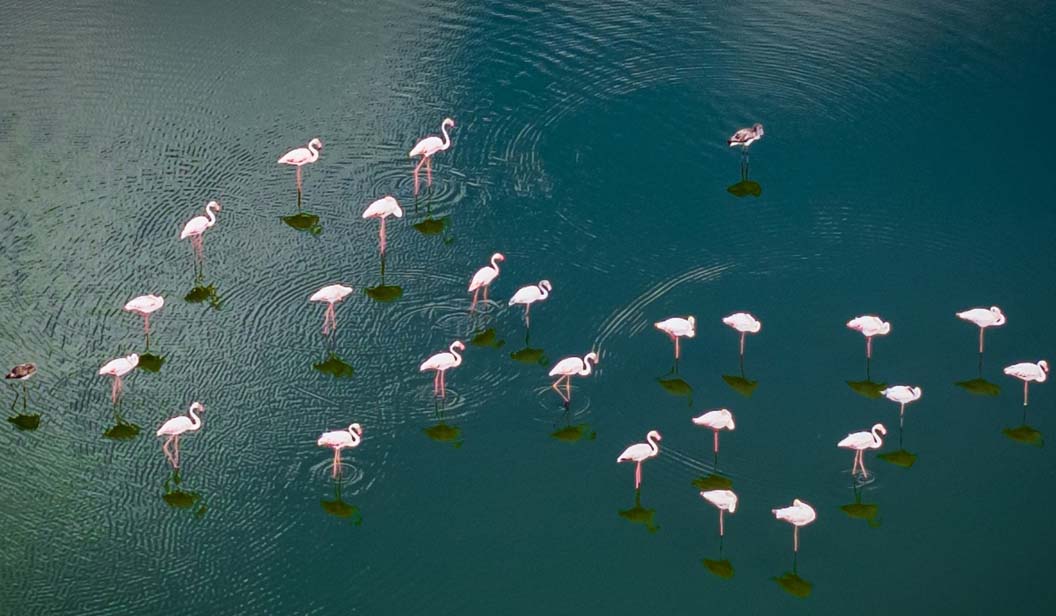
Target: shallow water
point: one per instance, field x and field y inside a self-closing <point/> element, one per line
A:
<point x="902" y="174"/>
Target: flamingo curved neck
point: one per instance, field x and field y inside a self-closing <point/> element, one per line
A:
<point x="586" y="367"/>
<point x="314" y="153"/>
<point x="458" y="358"/>
<point x="210" y="214"/>
<point x="652" y="444"/>
<point x="876" y="438"/>
<point x="355" y="437"/>
<point x="543" y="293"/>
<point x="495" y="266"/>
<point x="447" y="138"/>
<point x="196" y="422"/>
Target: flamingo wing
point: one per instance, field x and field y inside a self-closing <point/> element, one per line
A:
<point x="635" y="453"/>
<point x="440" y="361"/>
<point x="174" y="426"/>
<point x="856" y="440"/>
<point x="568" y="365"/>
<point x="483" y="277"/>
<point x="296" y="156"/>
<point x="427" y="147"/>
<point x="525" y="295"/>
<point x="337" y="438"/>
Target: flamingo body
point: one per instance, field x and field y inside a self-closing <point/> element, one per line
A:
<point x="196" y="226"/>
<point x="640" y="452"/>
<point x="331" y="295"/>
<point x="1028" y="372"/>
<point x="568" y="367"/>
<point x="725" y="500"/>
<point x="21" y="372"/>
<point x="177" y="426"/>
<point x="720" y="419"/>
<point x="902" y="395"/>
<point x="677" y="327"/>
<point x="441" y="363"/>
<point x="869" y="326"/>
<point x="121" y="366"/>
<point x="383" y="208"/>
<point x="341" y="439"/>
<point x="532" y="293"/>
<point x="145" y="305"/>
<point x="426" y="148"/>
<point x="860" y="441"/>
<point x="746" y="136"/>
<point x="302" y="156"/>
<point x="799" y="514"/>
<point x="743" y="322"/>
<point x="983" y="317"/>
<point x="484" y="277"/>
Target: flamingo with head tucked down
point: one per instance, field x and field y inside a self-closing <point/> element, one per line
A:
<point x="640" y="452"/>
<point x="382" y="209"/>
<point x="331" y="295"/>
<point x="744" y="323"/>
<point x="441" y="363"/>
<point x="1028" y="372"/>
<point x="426" y="148"/>
<point x="720" y="419"/>
<point x="118" y="368"/>
<point x="484" y="277"/>
<point x="799" y="514"/>
<point x="176" y="426"/>
<point x="196" y="226"/>
<point x="869" y="326"/>
<point x="746" y="136"/>
<point x="677" y="327"/>
<point x="903" y="395"/>
<point x="724" y="500"/>
<point x="530" y="294"/>
<point x="299" y="157"/>
<point x="983" y="318"/>
<point x="145" y="305"/>
<point x="21" y="372"/>
<point x="567" y="368"/>
<point x="341" y="439"/>
<point x="860" y="441"/>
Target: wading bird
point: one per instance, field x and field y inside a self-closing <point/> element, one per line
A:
<point x="484" y="277"/>
<point x="331" y="295"/>
<point x="569" y="367"/>
<point x="746" y="136"/>
<point x="983" y="318"/>
<point x="299" y="157"/>
<point x="677" y="327"/>
<point x="118" y="368"/>
<point x="441" y="363"/>
<point x="340" y="439"/>
<point x="745" y="324"/>
<point x="176" y="426"/>
<point x="196" y="226"/>
<point x="21" y="372"/>
<point x="724" y="500"/>
<point x="530" y="294"/>
<point x="382" y="209"/>
<point x="860" y="441"/>
<point x="640" y="452"/>
<point x="869" y="326"/>
<point x="720" y="419"/>
<point x="426" y="148"/>
<point x="799" y="514"/>
<point x="903" y="395"/>
<point x="144" y="306"/>
<point x="1028" y="372"/>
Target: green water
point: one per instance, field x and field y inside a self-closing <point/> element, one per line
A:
<point x="902" y="174"/>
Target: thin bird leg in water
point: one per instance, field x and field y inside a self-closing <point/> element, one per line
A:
<point x="795" y="542"/>
<point x="165" y="450"/>
<point x="556" y="386"/>
<point x="1026" y="393"/>
<point x="176" y="446"/>
<point x="416" y="169"/>
<point x="981" y="330"/>
<point x="868" y="347"/>
<point x="337" y="462"/>
<point x="677" y="354"/>
<point x="429" y="170"/>
<point x="382" y="234"/>
<point x="298" y="187"/>
<point x="443" y="384"/>
<point x="486" y="287"/>
<point x="436" y="384"/>
<point x="721" y="529"/>
<point x="638" y="476"/>
<point x="568" y="389"/>
<point x="473" y="306"/>
<point x="716" y="433"/>
<point x="861" y="456"/>
<point x="742" y="347"/>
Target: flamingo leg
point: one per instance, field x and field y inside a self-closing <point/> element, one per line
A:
<point x="676" y="348"/>
<point x="443" y="384"/>
<point x="115" y="389"/>
<point x="868" y="347"/>
<point x="486" y="287"/>
<point x="176" y="447"/>
<point x="742" y="345"/>
<point x="165" y="450"/>
<point x="638" y="476"/>
<point x="568" y="389"/>
<point x="527" y="316"/>
<point x="861" y="462"/>
<point x="1026" y="393"/>
<point x="795" y="539"/>
<point x="429" y="170"/>
<point x="337" y="463"/>
<point x="382" y="235"/>
<point x="716" y="432"/>
<point x="298" y="184"/>
<point x="556" y="386"/>
<point x="981" y="330"/>
<point x="901" y="415"/>
<point x="416" y="169"/>
<point x="722" y="531"/>
<point x="474" y="304"/>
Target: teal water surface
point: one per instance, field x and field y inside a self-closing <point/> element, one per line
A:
<point x="902" y="174"/>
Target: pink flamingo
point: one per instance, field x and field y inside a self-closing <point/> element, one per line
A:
<point x="118" y="368"/>
<point x="869" y="326"/>
<point x="382" y="209"/>
<point x="1028" y="372"/>
<point x="196" y="226"/>
<point x="145" y="305"/>
<point x="860" y="441"/>
<point x="640" y="452"/>
<point x="300" y="157"/>
<point x="176" y="426"/>
<point x="441" y="363"/>
<point x="426" y="148"/>
<point x="484" y="277"/>
<point x="744" y="323"/>
<point x="724" y="500"/>
<point x="799" y="514"/>
<point x="530" y="294"/>
<point x="746" y="136"/>
<point x="566" y="368"/>
<point x="716" y="420"/>
<point x="902" y="395"/>
<point x="340" y="439"/>
<point x="983" y="318"/>
<point x="331" y="294"/>
<point x="677" y="327"/>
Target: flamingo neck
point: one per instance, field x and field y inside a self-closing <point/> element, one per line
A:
<point x="876" y="437"/>
<point x="314" y="153"/>
<point x="447" y="139"/>
<point x="543" y="293"/>
<point x="495" y="266"/>
<point x="210" y="214"/>
<point x="458" y="358"/>
<point x="355" y="437"/>
<point x="586" y="367"/>
<point x="652" y="444"/>
<point x="196" y="422"/>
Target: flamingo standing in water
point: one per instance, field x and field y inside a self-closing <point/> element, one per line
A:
<point x="299" y="157"/>
<point x="640" y="452"/>
<point x="21" y="372"/>
<point x="903" y="395"/>
<point x="799" y="514"/>
<point x="677" y="327"/>
<point x="176" y="426"/>
<point x="382" y="209"/>
<point x="860" y="441"/>
<point x="720" y="419"/>
<point x="1028" y="372"/>
<point x="441" y="363"/>
<point x="529" y="295"/>
<point x="983" y="318"/>
<point x="567" y="368"/>
<point x="724" y="500"/>
<point x="340" y="439"/>
<point x="484" y="277"/>
<point x="145" y="305"/>
<point x="118" y="368"/>
<point x="869" y="326"/>
<point x="745" y="323"/>
<point x="426" y="148"/>
<point x="196" y="226"/>
<point x="331" y="294"/>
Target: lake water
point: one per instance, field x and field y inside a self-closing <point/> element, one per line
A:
<point x="902" y="174"/>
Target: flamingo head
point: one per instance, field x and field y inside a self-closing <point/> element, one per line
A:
<point x="591" y="357"/>
<point x="545" y="284"/>
<point x="197" y="407"/>
<point x="880" y="428"/>
<point x="653" y="434"/>
<point x="448" y="122"/>
<point x="315" y="143"/>
<point x="999" y="317"/>
<point x="693" y="326"/>
<point x="758" y="128"/>
<point x="457" y="344"/>
<point x="134" y="359"/>
<point x="397" y="211"/>
<point x="358" y="429"/>
<point x="214" y="205"/>
<point x="885" y="328"/>
<point x="733" y="504"/>
<point x="917" y="392"/>
<point x="1044" y="365"/>
<point x="498" y="256"/>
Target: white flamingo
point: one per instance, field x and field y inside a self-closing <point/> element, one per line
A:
<point x="196" y="226"/>
<point x="860" y="441"/>
<point x="530" y="294"/>
<point x="744" y="323"/>
<point x="719" y="419"/>
<point x="426" y="148"/>
<point x="569" y="367"/>
<point x="118" y="368"/>
<point x="869" y="326"/>
<point x="484" y="277"/>
<point x="983" y="318"/>
<point x="299" y="157"/>
<point x="144" y="306"/>
<point x="724" y="500"/>
<point x="441" y="363"/>
<point x="903" y="395"/>
<point x="677" y="327"/>
<point x="341" y="439"/>
<point x="1028" y="372"/>
<point x="176" y="426"/>
<point x="799" y="514"/>
<point x="331" y="295"/>
<point x="382" y="209"/>
<point x="640" y="452"/>
<point x="746" y="136"/>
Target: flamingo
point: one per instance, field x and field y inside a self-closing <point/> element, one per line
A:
<point x="331" y="294"/>
<point x="869" y="326"/>
<point x="677" y="327"/>
<point x="903" y="395"/>
<point x="118" y="368"/>
<point x="145" y="305"/>
<point x="382" y="209"/>
<point x="441" y="363"/>
<point x="860" y="441"/>
<point x="720" y="419"/>
<point x="724" y="500"/>
<point x="196" y="226"/>
<point x="746" y="136"/>
<point x="340" y="439"/>
<point x="300" y="157"/>
<point x="566" y="368"/>
<point x="426" y="148"/>
<point x="744" y="323"/>
<point x="21" y="372"/>
<point x="983" y="318"/>
<point x="529" y="295"/>
<point x="1028" y="372"/>
<point x="799" y="514"/>
<point x="640" y="452"/>
<point x="176" y="426"/>
<point x="484" y="277"/>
